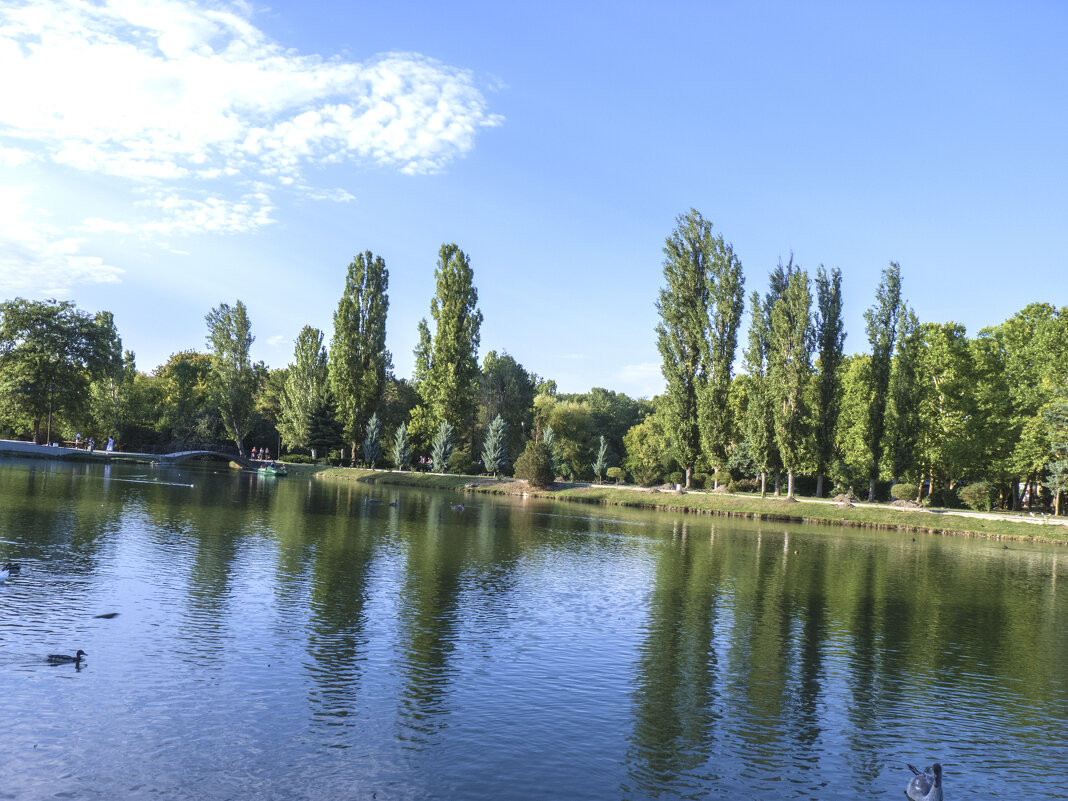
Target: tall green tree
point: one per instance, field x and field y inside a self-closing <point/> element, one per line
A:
<point x="789" y="367"/>
<point x="830" y="341"/>
<point x="450" y="389"/>
<point x="233" y="380"/>
<point x="682" y="335"/>
<point x="726" y="301"/>
<point x="507" y="391"/>
<point x="324" y="430"/>
<point x="50" y="351"/>
<point x="1055" y="416"/>
<point x="186" y="412"/>
<point x="904" y="425"/>
<point x="881" y="325"/>
<point x="759" y="424"/>
<point x="305" y="382"/>
<point x="359" y="361"/>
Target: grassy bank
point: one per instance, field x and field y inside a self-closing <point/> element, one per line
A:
<point x="738" y="505"/>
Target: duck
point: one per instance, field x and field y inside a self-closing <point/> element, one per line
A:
<point x="457" y="508"/>
<point x="13" y="568"/>
<point x="66" y="659"/>
<point x="925" y="786"/>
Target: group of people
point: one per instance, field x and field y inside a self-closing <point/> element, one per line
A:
<point x="90" y="444"/>
<point x="261" y="454"/>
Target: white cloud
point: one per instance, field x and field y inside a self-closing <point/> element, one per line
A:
<point x="36" y="259"/>
<point x="276" y="340"/>
<point x="203" y="116"/>
<point x="164" y="90"/>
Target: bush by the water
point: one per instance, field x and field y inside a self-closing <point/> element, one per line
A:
<point x="617" y="474"/>
<point x="978" y="496"/>
<point x="904" y="492"/>
<point x="535" y="465"/>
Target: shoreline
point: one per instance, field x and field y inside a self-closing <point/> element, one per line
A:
<point x="995" y="526"/>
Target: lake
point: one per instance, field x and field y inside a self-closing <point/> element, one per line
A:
<point x="302" y="639"/>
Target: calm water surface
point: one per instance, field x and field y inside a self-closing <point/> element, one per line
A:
<point x="301" y="639"/>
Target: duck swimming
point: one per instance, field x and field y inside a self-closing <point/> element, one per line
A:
<point x="13" y="568"/>
<point x="66" y="659"/>
<point x="925" y="786"/>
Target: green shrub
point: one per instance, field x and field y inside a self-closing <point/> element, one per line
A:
<point x="535" y="464"/>
<point x="946" y="498"/>
<point x="678" y="477"/>
<point x="978" y="496"/>
<point x="460" y="462"/>
<point x="298" y="458"/>
<point x="744" y="485"/>
<point x="904" y="492"/>
<point x="617" y="474"/>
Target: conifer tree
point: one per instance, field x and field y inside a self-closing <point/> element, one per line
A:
<point x="324" y="431"/>
<point x="830" y="340"/>
<point x="881" y="324"/>
<point x="372" y="441"/>
<point x="494" y="450"/>
<point x="441" y="448"/>
<point x="402" y="455"/>
<point x="601" y="463"/>
<point x="359" y="361"/>
<point x="549" y="439"/>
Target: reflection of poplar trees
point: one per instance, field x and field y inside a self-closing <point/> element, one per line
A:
<point x="428" y="616"/>
<point x="337" y="641"/>
<point x="677" y="697"/>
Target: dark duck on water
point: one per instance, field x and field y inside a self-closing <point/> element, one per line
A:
<point x="925" y="786"/>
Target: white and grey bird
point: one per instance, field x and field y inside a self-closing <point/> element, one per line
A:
<point x="926" y="785"/>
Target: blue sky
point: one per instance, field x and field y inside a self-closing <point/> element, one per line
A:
<point x="158" y="158"/>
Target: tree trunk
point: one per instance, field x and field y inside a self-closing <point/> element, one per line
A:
<point x="790" y="483"/>
<point x="778" y="483"/>
<point x="37" y="431"/>
<point x="689" y="474"/>
<point x="919" y="489"/>
<point x="1015" y="494"/>
<point x="763" y="484"/>
<point x="819" y="485"/>
<point x="871" y="490"/>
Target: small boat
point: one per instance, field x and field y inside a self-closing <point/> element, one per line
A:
<point x="273" y="469"/>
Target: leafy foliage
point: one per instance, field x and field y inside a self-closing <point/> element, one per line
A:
<point x="535" y="464"/>
<point x="359" y="361"/>
<point x="305" y="381"/>
<point x="601" y="462"/>
<point x="232" y="378"/>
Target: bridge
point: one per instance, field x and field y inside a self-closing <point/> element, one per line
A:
<point x="181" y="456"/>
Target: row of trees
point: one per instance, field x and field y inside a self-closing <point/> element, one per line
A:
<point x="927" y="405"/>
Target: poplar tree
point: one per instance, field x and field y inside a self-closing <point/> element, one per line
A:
<point x="830" y="340"/>
<point x="881" y="324"/>
<point x="233" y="379"/>
<point x="305" y="382"/>
<point x="450" y="389"/>
<point x="682" y="333"/>
<point x="790" y="350"/>
<point x="904" y="398"/>
<point x="359" y="360"/>
<point x="726" y="300"/>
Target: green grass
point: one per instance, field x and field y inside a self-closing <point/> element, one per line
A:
<point x="738" y="505"/>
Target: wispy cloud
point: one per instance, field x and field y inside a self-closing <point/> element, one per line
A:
<point x="36" y="258"/>
<point x="642" y="380"/>
<point x="200" y="111"/>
